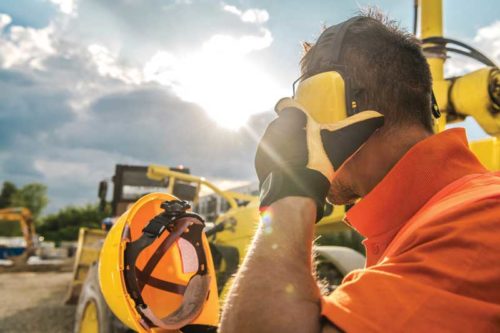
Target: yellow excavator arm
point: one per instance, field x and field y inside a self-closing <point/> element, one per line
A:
<point x="23" y="216"/>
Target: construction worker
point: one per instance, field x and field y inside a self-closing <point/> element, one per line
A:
<point x="429" y="210"/>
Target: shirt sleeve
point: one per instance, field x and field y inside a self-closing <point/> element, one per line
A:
<point x="442" y="279"/>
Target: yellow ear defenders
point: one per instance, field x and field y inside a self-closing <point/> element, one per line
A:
<point x="328" y="95"/>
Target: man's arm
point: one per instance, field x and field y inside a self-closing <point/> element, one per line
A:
<point x="275" y="290"/>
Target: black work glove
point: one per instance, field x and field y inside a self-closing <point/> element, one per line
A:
<point x="298" y="156"/>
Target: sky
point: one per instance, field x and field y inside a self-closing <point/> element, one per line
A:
<point x="87" y="84"/>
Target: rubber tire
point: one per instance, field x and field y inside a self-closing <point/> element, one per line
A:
<point x="91" y="292"/>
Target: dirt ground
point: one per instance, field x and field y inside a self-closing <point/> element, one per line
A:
<point x="33" y="302"/>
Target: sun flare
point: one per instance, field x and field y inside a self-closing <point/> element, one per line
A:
<point x="221" y="78"/>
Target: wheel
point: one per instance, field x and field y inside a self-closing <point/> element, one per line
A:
<point x="92" y="312"/>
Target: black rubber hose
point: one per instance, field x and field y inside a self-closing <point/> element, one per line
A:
<point x="442" y="41"/>
<point x="479" y="57"/>
<point x="415" y="17"/>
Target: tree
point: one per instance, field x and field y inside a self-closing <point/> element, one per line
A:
<point x="32" y="196"/>
<point x="65" y="224"/>
<point x="8" y="191"/>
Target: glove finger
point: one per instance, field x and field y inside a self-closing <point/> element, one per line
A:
<point x="287" y="102"/>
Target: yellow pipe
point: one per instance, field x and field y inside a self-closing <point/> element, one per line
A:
<point x="431" y="25"/>
<point x="241" y="196"/>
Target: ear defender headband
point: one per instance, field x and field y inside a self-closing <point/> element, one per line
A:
<point x="327" y="95"/>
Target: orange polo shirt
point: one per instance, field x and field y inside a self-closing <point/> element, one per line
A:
<point x="432" y="229"/>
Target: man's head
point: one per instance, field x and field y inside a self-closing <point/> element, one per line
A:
<point x="388" y="74"/>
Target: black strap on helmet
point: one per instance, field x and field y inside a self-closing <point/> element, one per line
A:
<point x="180" y="224"/>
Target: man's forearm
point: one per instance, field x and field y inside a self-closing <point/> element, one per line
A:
<point x="275" y="290"/>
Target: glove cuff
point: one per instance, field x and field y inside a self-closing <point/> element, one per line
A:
<point x="301" y="182"/>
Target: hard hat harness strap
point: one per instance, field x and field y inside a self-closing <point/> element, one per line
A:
<point x="180" y="224"/>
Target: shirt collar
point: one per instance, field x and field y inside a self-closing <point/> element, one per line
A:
<point x="425" y="169"/>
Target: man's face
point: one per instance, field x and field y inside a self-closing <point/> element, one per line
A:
<point x="359" y="174"/>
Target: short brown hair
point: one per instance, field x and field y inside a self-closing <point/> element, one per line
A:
<point x="388" y="70"/>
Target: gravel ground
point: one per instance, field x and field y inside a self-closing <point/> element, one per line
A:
<point x="33" y="302"/>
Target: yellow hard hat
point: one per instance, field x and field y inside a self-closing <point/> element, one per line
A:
<point x="156" y="270"/>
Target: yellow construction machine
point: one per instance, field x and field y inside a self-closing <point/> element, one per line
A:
<point x="475" y="94"/>
<point x="229" y="234"/>
<point x="17" y="222"/>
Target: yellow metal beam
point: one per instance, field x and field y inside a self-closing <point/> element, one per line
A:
<point x="488" y="152"/>
<point x="431" y="25"/>
<point x="159" y="172"/>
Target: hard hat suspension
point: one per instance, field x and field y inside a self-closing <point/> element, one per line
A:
<point x="180" y="224"/>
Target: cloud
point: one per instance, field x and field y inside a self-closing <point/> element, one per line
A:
<point x="489" y="38"/>
<point x="217" y="75"/>
<point x="252" y="15"/>
<point x="220" y="77"/>
<point x="66" y="6"/>
<point x="140" y="126"/>
<point x="24" y="45"/>
<point x="487" y="41"/>
<point x="5" y="20"/>
<point x="29" y="109"/>
<point x="153" y="126"/>
<point x="107" y="65"/>
<point x="88" y="91"/>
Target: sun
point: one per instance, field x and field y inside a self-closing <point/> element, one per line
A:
<point x="222" y="79"/>
<point x="231" y="90"/>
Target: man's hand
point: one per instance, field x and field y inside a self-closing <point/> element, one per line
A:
<point x="298" y="156"/>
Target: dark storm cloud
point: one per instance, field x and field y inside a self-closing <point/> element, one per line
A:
<point x="153" y="125"/>
<point x="28" y="108"/>
<point x="45" y="141"/>
<point x="21" y="165"/>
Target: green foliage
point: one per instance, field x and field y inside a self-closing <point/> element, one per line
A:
<point x="10" y="229"/>
<point x="64" y="224"/>
<point x="8" y="190"/>
<point x="32" y="196"/>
